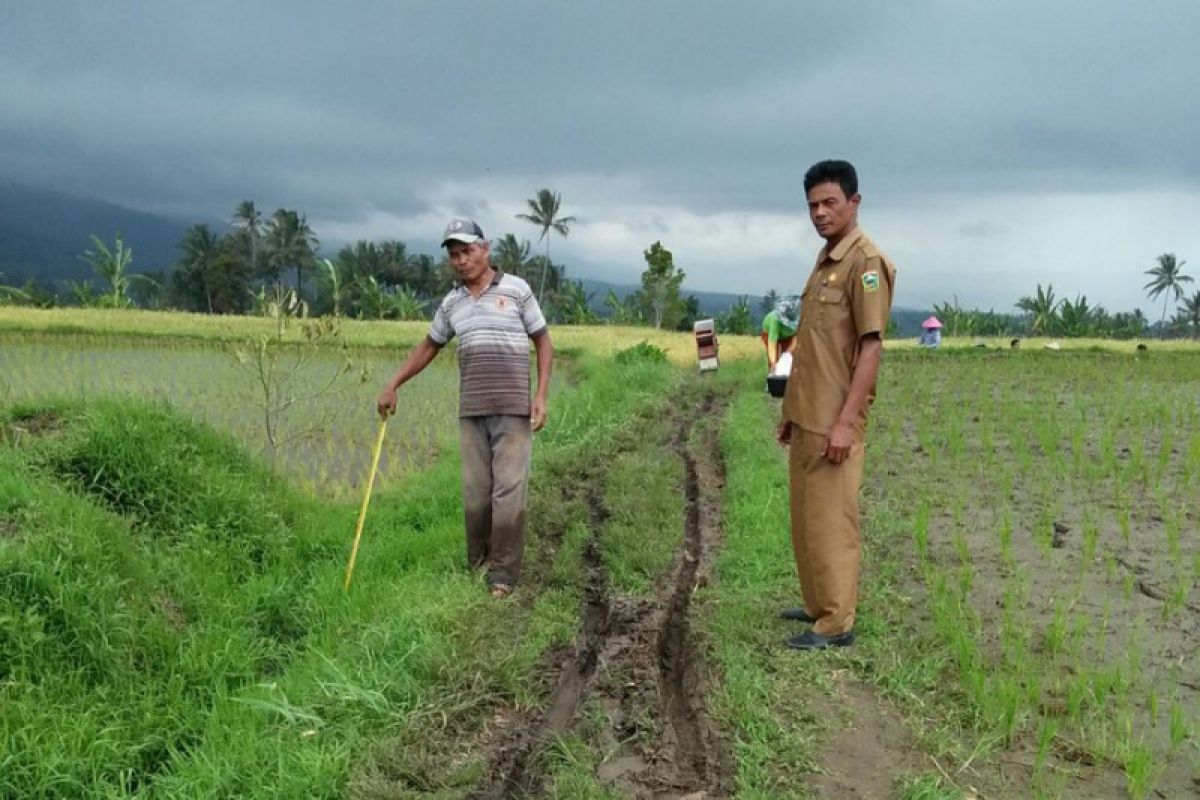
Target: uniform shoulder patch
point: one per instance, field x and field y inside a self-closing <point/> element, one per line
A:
<point x="870" y="281"/>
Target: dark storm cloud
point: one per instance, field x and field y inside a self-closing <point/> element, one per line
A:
<point x="705" y="108"/>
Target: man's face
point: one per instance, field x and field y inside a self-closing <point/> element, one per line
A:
<point x="831" y="212"/>
<point x="470" y="261"/>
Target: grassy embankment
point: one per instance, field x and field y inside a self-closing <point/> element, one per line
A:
<point x="174" y="624"/>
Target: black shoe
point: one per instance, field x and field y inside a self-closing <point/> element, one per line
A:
<point x="815" y="641"/>
<point x="797" y="614"/>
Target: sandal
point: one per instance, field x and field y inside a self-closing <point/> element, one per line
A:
<point x="500" y="590"/>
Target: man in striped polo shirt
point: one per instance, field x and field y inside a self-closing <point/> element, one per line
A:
<point x="494" y="316"/>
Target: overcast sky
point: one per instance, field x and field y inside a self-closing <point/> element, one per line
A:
<point x="999" y="144"/>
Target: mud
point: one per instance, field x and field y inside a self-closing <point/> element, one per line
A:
<point x="42" y="423"/>
<point x="867" y="749"/>
<point x="637" y="659"/>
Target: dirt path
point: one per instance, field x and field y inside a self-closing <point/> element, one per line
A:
<point x="637" y="658"/>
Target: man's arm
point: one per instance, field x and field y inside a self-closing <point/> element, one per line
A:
<point x="866" y="369"/>
<point x="772" y="353"/>
<point x="545" y="363"/>
<point x="417" y="360"/>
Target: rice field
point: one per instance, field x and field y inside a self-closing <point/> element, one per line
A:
<point x="323" y="438"/>
<point x="1030" y="601"/>
<point x="1053" y="506"/>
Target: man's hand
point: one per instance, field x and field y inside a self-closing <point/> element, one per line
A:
<point x="386" y="404"/>
<point x="837" y="446"/>
<point x="784" y="434"/>
<point x="537" y="413"/>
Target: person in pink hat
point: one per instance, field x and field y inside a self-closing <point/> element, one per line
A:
<point x="931" y="332"/>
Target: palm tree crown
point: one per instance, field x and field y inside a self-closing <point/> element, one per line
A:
<point x="1166" y="279"/>
<point x="1042" y="308"/>
<point x="250" y="219"/>
<point x="291" y="243"/>
<point x="543" y="212"/>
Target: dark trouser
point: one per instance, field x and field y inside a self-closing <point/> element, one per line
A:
<point x="495" y="474"/>
<point x="825" y="537"/>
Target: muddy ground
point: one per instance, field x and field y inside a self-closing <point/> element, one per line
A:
<point x="637" y="657"/>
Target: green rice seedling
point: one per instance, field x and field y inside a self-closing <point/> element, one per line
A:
<point x="928" y="787"/>
<point x="1177" y="598"/>
<point x="1139" y="770"/>
<point x="1006" y="702"/>
<point x="1178" y="725"/>
<point x="1171" y="526"/>
<point x="1005" y="531"/>
<point x="1091" y="535"/>
<point x="961" y="548"/>
<point x="921" y="530"/>
<point x="1079" y="691"/>
<point x="1056" y="632"/>
<point x="966" y="578"/>
<point x="1047" y="730"/>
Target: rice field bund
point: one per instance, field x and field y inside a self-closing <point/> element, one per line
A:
<point x="178" y="495"/>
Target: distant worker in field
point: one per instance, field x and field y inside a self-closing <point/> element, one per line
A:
<point x="494" y="316"/>
<point x="931" y="333"/>
<point x="779" y="329"/>
<point x="844" y="313"/>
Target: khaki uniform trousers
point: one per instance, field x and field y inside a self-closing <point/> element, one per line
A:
<point x="825" y="534"/>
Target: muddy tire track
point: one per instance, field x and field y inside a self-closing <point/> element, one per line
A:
<point x="513" y="772"/>
<point x="700" y="755"/>
<point x="637" y="658"/>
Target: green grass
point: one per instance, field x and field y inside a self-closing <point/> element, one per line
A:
<point x="174" y="624"/>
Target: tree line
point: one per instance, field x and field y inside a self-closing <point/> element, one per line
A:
<point x="265" y="261"/>
<point x="1045" y="314"/>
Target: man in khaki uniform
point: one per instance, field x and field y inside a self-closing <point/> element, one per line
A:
<point x="844" y="312"/>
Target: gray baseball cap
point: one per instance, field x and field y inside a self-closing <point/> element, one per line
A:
<point x="462" y="230"/>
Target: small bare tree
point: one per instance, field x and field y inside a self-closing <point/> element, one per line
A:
<point x="286" y="376"/>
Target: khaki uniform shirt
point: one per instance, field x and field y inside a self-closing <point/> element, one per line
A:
<point x="848" y="295"/>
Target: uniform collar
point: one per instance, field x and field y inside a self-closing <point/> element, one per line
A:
<point x="842" y="247"/>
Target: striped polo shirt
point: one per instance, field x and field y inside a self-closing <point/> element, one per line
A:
<point x="493" y="344"/>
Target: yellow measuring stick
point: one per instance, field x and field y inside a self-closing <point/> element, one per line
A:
<point x="362" y="514"/>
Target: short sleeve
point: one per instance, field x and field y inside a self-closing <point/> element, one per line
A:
<point x="871" y="296"/>
<point x="440" y="330"/>
<point x="531" y="314"/>
<point x="771" y="327"/>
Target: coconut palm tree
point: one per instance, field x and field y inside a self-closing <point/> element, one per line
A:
<point x="250" y="219"/>
<point x="512" y="255"/>
<point x="1189" y="313"/>
<point x="543" y="212"/>
<point x="291" y="243"/>
<point x="1167" y="279"/>
<point x="113" y="266"/>
<point x="1042" y="309"/>
<point x="200" y="248"/>
<point x="1078" y="317"/>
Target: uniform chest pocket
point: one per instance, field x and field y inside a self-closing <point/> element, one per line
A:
<point x="832" y="306"/>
